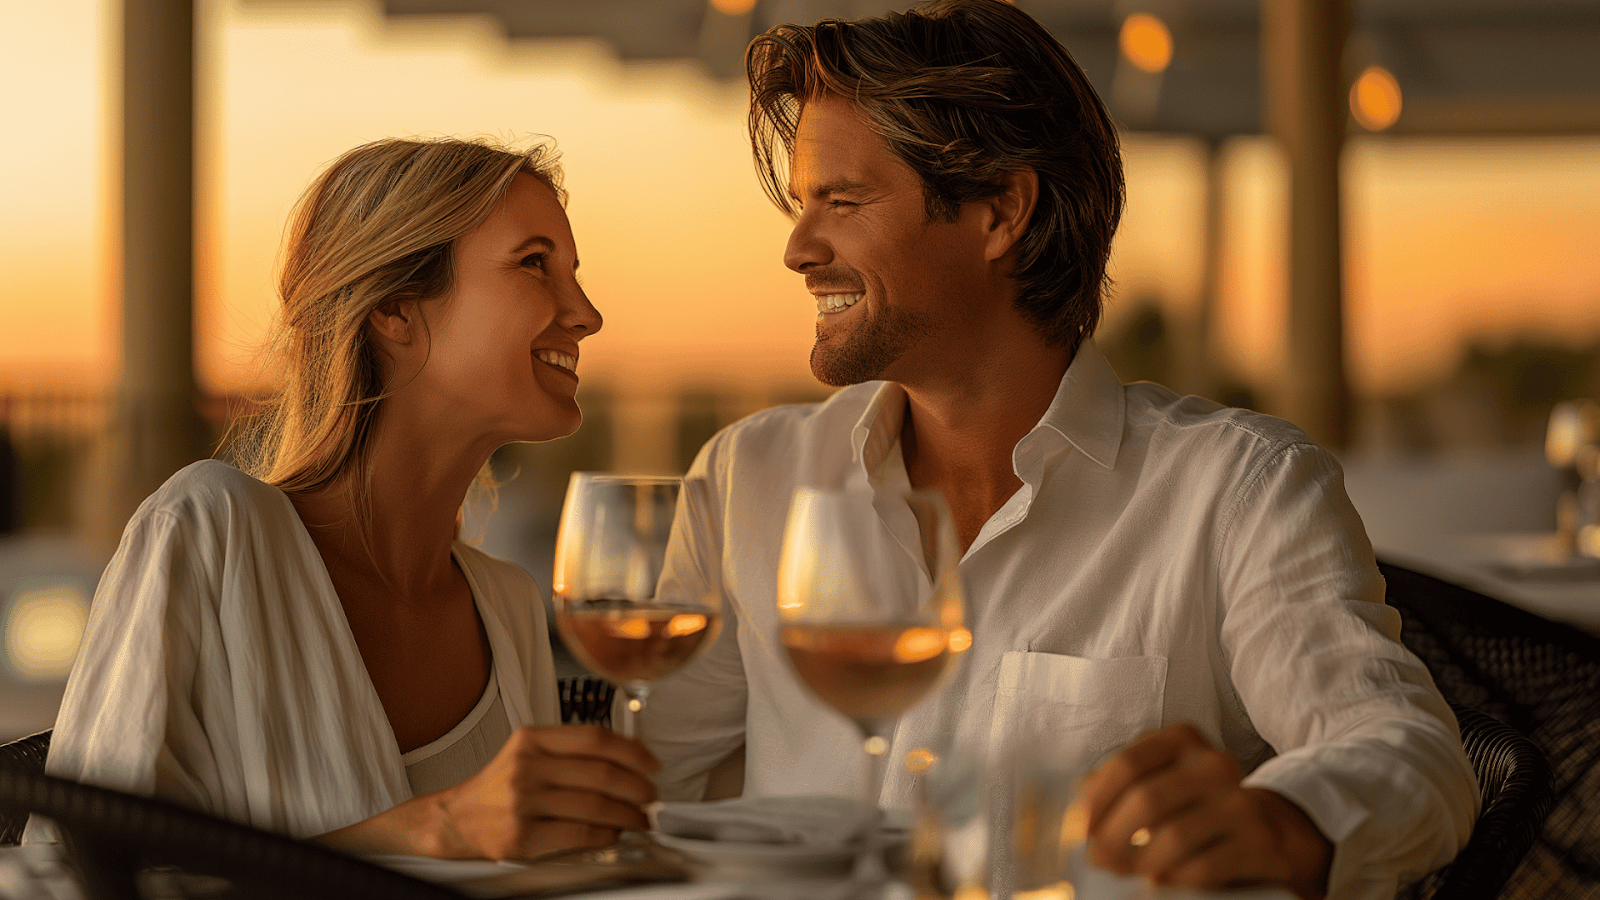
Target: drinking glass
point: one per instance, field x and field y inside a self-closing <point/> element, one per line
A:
<point x="609" y="552"/>
<point x="872" y="614"/>
<point x="949" y="855"/>
<point x="1008" y="821"/>
<point x="1044" y="855"/>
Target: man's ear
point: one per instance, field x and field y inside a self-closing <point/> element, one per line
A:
<point x="1010" y="211"/>
<point x="395" y="320"/>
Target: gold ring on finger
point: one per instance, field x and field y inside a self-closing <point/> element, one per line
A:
<point x="1140" y="837"/>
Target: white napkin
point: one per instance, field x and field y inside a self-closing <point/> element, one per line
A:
<point x="813" y="819"/>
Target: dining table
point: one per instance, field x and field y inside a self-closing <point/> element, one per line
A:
<point x="1527" y="569"/>
<point x="43" y="872"/>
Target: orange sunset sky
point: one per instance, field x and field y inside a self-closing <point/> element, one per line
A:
<point x="1445" y="241"/>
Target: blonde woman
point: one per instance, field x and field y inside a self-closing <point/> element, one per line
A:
<point x="304" y="645"/>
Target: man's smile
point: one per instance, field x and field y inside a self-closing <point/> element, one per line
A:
<point x="830" y="303"/>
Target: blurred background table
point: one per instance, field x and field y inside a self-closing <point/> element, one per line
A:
<point x="1480" y="521"/>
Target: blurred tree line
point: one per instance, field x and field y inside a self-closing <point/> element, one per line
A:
<point x="1498" y="396"/>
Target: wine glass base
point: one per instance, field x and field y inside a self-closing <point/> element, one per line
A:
<point x="633" y="858"/>
<point x="883" y="889"/>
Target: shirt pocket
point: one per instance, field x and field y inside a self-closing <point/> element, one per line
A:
<point x="1076" y="710"/>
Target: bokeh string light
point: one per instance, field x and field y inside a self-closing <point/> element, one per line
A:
<point x="1146" y="42"/>
<point x="1375" y="99"/>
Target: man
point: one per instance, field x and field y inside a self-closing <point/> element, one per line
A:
<point x="1146" y="572"/>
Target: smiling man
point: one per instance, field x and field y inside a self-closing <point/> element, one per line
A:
<point x="1177" y="591"/>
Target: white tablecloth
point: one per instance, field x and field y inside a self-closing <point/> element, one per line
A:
<point x="38" y="872"/>
<point x="1508" y="566"/>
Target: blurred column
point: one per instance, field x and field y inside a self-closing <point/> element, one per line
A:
<point x="1302" y="42"/>
<point x="156" y="428"/>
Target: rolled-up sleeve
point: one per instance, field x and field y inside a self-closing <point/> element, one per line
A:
<point x="1366" y="746"/>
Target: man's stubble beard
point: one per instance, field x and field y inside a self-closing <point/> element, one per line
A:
<point x="867" y="352"/>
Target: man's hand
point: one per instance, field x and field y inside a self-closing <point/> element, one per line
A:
<point x="1170" y="807"/>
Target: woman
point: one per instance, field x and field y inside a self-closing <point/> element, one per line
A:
<point x="306" y="647"/>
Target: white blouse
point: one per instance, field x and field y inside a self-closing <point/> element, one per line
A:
<point x="218" y="669"/>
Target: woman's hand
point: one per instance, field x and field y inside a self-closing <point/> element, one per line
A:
<point x="1171" y="807"/>
<point x="548" y="789"/>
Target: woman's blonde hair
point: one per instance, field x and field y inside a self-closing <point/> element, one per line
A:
<point x="378" y="225"/>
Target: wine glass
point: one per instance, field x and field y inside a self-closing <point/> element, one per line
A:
<point x="872" y="613"/>
<point x="1572" y="446"/>
<point x="609" y="552"/>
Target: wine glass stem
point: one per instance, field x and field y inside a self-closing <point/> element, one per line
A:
<point x="869" y="858"/>
<point x="633" y="698"/>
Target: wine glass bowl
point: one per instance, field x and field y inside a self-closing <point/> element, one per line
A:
<point x="630" y="646"/>
<point x="870" y="673"/>
<point x="872" y="609"/>
<point x="610" y="550"/>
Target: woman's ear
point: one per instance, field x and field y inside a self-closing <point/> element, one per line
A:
<point x="395" y="320"/>
<point x="1010" y="211"/>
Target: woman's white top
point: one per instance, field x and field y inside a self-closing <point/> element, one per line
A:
<point x="218" y="669"/>
<point x="464" y="750"/>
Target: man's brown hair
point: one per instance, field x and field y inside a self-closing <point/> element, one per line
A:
<point x="963" y="91"/>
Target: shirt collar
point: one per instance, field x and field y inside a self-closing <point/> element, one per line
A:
<point x="878" y="430"/>
<point x="1089" y="407"/>
<point x="1087" y="411"/>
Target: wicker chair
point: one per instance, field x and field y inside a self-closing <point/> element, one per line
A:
<point x="112" y="836"/>
<point x="1514" y="781"/>
<point x="22" y="755"/>
<point x="1541" y="679"/>
<point x="585" y="699"/>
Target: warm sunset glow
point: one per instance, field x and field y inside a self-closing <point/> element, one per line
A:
<point x="1062" y="890"/>
<point x="684" y="624"/>
<point x="920" y="759"/>
<point x="918" y="644"/>
<point x="632" y="629"/>
<point x="733" y="7"/>
<point x="1375" y="99"/>
<point x="681" y="252"/>
<point x="1146" y="42"/>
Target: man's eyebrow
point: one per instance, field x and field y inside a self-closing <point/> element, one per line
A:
<point x="837" y="186"/>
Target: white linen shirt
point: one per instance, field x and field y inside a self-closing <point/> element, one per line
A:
<point x="218" y="669"/>
<point x="1166" y="560"/>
